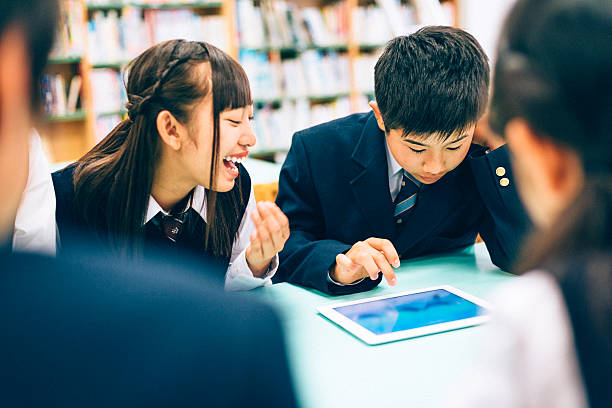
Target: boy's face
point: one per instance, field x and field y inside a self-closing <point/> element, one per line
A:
<point x="427" y="158"/>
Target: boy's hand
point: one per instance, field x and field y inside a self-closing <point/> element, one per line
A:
<point x="366" y="259"/>
<point x="485" y="136"/>
<point x="272" y="231"/>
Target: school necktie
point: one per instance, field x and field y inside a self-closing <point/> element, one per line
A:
<point x="406" y="198"/>
<point x="170" y="225"/>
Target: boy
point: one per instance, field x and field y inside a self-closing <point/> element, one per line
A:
<point x="404" y="180"/>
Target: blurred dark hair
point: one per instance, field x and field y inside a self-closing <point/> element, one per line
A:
<point x="113" y="181"/>
<point x="554" y="70"/>
<point x="432" y="82"/>
<point x="38" y="19"/>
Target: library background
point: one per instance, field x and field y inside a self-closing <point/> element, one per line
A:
<point x="308" y="61"/>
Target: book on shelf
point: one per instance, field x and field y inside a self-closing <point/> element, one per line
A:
<point x="73" y="93"/>
<point x="69" y="39"/>
<point x="275" y="126"/>
<point x="373" y="28"/>
<point x="107" y="90"/>
<point x="312" y="74"/>
<point x="280" y="24"/>
<point x="105" y="124"/>
<point x="117" y="36"/>
<point x="55" y="100"/>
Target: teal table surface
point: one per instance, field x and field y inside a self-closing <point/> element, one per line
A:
<point x="331" y="368"/>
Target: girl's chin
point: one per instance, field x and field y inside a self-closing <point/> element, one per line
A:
<point x="223" y="186"/>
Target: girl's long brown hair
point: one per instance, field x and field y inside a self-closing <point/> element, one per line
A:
<point x="113" y="181"/>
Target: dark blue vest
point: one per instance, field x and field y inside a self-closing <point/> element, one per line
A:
<point x="71" y="224"/>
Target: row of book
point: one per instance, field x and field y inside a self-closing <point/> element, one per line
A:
<point x="120" y="35"/>
<point x="279" y="24"/>
<point x="108" y="91"/>
<point x="161" y="3"/>
<point x="275" y="125"/>
<point x="70" y="36"/>
<point x="58" y="99"/>
<point x="312" y="73"/>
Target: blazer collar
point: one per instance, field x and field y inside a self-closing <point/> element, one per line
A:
<point x="370" y="182"/>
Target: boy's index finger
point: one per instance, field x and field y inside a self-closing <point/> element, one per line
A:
<point x="386" y="247"/>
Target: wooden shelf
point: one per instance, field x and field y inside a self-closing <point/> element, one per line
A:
<point x="65" y="60"/>
<point x="73" y="134"/>
<point x="113" y="113"/>
<point x="110" y="64"/>
<point x="172" y="5"/>
<point x="80" y="114"/>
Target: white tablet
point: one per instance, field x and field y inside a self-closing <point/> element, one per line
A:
<point x="404" y="315"/>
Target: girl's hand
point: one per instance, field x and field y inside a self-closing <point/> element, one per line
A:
<point x="272" y="231"/>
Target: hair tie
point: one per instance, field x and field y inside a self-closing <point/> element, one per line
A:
<point x="136" y="105"/>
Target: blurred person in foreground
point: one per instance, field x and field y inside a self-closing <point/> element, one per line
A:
<point x="551" y="341"/>
<point x="91" y="331"/>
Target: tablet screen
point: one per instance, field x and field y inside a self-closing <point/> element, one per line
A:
<point x="410" y="311"/>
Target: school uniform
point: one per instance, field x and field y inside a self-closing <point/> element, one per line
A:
<point x="336" y="189"/>
<point x="92" y="331"/>
<point x="35" y="229"/>
<point x="549" y="342"/>
<point x="162" y="233"/>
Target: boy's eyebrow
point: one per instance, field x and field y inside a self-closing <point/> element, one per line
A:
<point x="449" y="143"/>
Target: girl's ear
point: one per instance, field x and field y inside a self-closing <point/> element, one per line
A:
<point x="170" y="130"/>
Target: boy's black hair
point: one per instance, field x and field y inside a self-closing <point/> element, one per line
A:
<point x="38" y="19"/>
<point x="432" y="82"/>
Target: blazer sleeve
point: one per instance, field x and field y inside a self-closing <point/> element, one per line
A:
<point x="505" y="222"/>
<point x="307" y="255"/>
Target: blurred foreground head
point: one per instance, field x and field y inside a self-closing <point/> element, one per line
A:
<point x="552" y="100"/>
<point x="27" y="28"/>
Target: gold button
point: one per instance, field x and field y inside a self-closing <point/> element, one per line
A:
<point x="403" y="183"/>
<point x="504" y="182"/>
<point x="500" y="171"/>
<point x="398" y="221"/>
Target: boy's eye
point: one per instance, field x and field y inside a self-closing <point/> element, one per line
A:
<point x="234" y="122"/>
<point x="417" y="150"/>
<point x="453" y="148"/>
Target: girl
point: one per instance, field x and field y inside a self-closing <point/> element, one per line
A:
<point x="552" y="342"/>
<point x="170" y="176"/>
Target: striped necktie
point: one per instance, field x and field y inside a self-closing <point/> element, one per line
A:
<point x="406" y="199"/>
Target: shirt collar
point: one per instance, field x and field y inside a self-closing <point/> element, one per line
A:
<point x="393" y="167"/>
<point x="198" y="203"/>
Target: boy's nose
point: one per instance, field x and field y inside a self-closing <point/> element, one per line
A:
<point x="434" y="165"/>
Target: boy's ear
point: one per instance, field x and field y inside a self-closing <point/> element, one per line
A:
<point x="379" y="119"/>
<point x="170" y="130"/>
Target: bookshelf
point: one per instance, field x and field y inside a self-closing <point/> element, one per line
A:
<point x="308" y="61"/>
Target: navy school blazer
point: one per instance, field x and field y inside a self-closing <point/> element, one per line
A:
<point x="334" y="188"/>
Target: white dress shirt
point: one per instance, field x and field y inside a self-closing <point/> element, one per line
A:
<point x="238" y="275"/>
<point x="35" y="229"/>
<point x="528" y="359"/>
<point x="394" y="172"/>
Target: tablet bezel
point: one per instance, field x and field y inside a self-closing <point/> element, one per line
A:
<point x="371" y="338"/>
